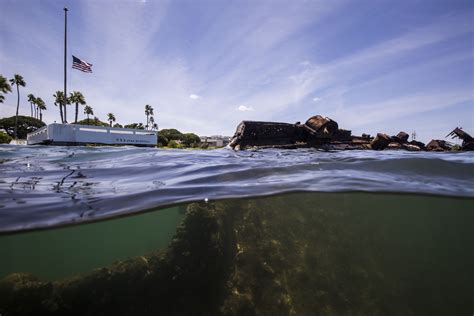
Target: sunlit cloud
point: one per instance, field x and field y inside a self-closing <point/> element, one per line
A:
<point x="244" y="108"/>
<point x="194" y="96"/>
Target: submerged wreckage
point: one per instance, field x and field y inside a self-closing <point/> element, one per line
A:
<point x="323" y="132"/>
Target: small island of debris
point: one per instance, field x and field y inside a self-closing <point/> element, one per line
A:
<point x="324" y="133"/>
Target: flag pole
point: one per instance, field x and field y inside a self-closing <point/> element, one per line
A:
<point x="65" y="61"/>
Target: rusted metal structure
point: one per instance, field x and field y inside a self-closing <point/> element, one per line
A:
<point x="324" y="133"/>
<point x="467" y="140"/>
<point x="438" y="145"/>
<point x="318" y="131"/>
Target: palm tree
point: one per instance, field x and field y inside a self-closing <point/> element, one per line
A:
<point x="88" y="111"/>
<point x="110" y="118"/>
<point x="4" y="87"/>
<point x="152" y="121"/>
<point x="148" y="112"/>
<point x="31" y="99"/>
<point x="35" y="105"/>
<point x="40" y="106"/>
<point x="18" y="81"/>
<point x="78" y="98"/>
<point x="36" y="108"/>
<point x="59" y="100"/>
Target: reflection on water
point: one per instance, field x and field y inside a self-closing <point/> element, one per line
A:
<point x="292" y="254"/>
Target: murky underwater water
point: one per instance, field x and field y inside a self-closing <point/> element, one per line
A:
<point x="62" y="252"/>
<point x="298" y="253"/>
<point x="235" y="233"/>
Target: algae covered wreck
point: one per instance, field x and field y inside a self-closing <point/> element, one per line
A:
<point x="293" y="254"/>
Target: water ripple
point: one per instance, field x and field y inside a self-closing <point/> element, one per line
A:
<point x="43" y="186"/>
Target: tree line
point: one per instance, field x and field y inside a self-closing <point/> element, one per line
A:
<point x="167" y="137"/>
<point x="37" y="105"/>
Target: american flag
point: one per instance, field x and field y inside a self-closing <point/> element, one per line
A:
<point x="80" y="64"/>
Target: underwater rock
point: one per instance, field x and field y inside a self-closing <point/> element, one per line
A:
<point x="381" y="141"/>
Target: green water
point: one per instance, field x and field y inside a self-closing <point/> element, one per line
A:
<point x="58" y="253"/>
<point x="291" y="254"/>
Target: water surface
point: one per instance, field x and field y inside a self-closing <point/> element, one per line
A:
<point x="42" y="186"/>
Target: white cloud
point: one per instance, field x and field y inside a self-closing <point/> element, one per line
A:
<point x="194" y="96"/>
<point x="244" y="108"/>
<point x="316" y="99"/>
<point x="404" y="106"/>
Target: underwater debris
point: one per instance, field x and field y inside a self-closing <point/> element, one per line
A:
<point x="187" y="278"/>
<point x="299" y="254"/>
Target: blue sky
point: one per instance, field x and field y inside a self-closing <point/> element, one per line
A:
<point x="373" y="66"/>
